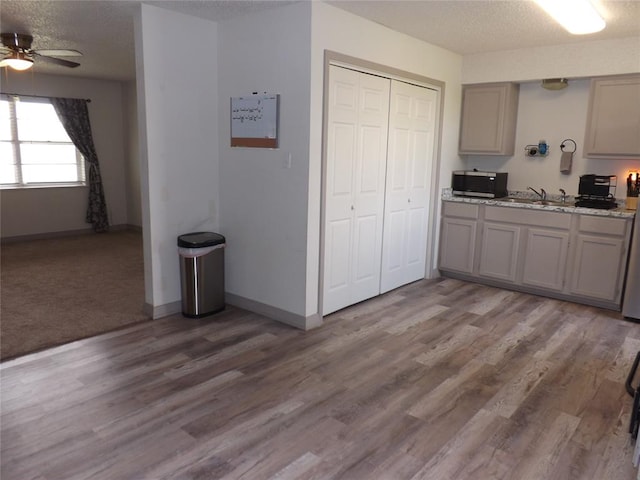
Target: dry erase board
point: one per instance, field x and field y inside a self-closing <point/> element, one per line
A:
<point x="254" y="121"/>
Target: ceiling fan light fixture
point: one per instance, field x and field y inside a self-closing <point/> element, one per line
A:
<point x="555" y="83"/>
<point x="17" y="61"/>
<point x="578" y="17"/>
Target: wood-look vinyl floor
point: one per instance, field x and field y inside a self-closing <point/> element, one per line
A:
<point x="437" y="380"/>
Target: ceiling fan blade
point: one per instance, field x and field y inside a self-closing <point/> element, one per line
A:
<point x="57" y="61"/>
<point x="58" y="53"/>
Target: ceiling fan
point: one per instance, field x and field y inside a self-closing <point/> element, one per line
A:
<point x="18" y="54"/>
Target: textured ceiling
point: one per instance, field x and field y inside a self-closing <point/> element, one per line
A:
<point x="103" y="29"/>
<point x="476" y="26"/>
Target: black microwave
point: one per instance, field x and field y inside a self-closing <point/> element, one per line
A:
<point x="472" y="183"/>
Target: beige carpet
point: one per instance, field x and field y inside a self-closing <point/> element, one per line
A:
<point x="59" y="290"/>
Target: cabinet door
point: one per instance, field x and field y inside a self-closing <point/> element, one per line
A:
<point x="597" y="267"/>
<point x="354" y="190"/>
<point x="412" y="125"/>
<point x="489" y="115"/>
<point x="545" y="259"/>
<point x="457" y="245"/>
<point x="613" y="120"/>
<point x="499" y="254"/>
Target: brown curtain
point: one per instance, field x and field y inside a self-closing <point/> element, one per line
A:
<point x="74" y="116"/>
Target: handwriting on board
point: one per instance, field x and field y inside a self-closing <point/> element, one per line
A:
<point x="254" y="121"/>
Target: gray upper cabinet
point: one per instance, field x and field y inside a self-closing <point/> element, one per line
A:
<point x="613" y="119"/>
<point x="488" y="120"/>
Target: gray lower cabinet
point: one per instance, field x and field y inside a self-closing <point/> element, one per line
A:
<point x="545" y="258"/>
<point x="500" y="248"/>
<point x="525" y="247"/>
<point x="458" y="233"/>
<point x="557" y="254"/>
<point x="599" y="261"/>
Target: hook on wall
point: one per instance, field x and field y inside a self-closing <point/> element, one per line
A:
<point x="562" y="145"/>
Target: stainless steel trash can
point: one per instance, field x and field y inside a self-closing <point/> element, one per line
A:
<point x="201" y="273"/>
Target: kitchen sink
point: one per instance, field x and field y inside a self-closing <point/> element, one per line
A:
<point x="530" y="201"/>
<point x="550" y="203"/>
<point x="517" y="200"/>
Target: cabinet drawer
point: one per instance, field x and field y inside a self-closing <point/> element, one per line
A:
<point x="523" y="216"/>
<point x="461" y="210"/>
<point x="604" y="225"/>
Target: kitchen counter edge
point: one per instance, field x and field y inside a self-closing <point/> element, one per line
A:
<point x="617" y="212"/>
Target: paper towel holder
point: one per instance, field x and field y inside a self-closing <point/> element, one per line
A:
<point x="575" y="146"/>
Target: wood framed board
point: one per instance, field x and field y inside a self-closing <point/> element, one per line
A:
<point x="254" y="121"/>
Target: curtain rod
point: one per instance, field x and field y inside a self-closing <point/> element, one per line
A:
<point x="88" y="100"/>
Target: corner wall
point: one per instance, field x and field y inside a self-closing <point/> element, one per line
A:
<point x="263" y="197"/>
<point x="178" y="125"/>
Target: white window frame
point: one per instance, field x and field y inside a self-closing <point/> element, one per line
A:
<point x="16" y="143"/>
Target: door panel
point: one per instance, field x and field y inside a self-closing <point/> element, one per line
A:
<point x="354" y="191"/>
<point x="336" y="279"/>
<point x="365" y="254"/>
<point x="342" y="171"/>
<point x="410" y="158"/>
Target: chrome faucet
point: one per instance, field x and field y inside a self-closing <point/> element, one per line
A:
<point x="542" y="194"/>
<point x="563" y="197"/>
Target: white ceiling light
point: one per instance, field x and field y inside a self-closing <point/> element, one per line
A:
<point x="576" y="16"/>
<point x="17" y="61"/>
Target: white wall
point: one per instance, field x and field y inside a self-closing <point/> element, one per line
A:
<point x="51" y="210"/>
<point x="553" y="115"/>
<point x="342" y="32"/>
<point x="270" y="213"/>
<point x="584" y="59"/>
<point x="178" y="126"/>
<point x="263" y="203"/>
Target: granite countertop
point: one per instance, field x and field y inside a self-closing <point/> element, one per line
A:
<point x="511" y="202"/>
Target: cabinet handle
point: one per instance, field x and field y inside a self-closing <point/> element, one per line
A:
<point x="352" y="208"/>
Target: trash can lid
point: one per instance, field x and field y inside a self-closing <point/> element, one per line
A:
<point x="200" y="239"/>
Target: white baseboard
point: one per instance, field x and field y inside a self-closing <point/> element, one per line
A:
<point x="162" y="311"/>
<point x="282" y="316"/>
<point x="295" y="320"/>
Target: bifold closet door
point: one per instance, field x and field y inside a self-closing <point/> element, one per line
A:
<point x="357" y="124"/>
<point x="412" y="126"/>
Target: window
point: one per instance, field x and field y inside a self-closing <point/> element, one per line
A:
<point x="35" y="150"/>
